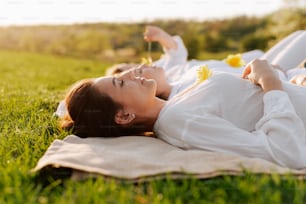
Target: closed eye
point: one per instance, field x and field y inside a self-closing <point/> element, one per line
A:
<point x="121" y="83"/>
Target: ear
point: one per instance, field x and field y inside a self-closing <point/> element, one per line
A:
<point x="123" y="117"/>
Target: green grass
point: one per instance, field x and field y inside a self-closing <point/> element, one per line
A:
<point x="31" y="85"/>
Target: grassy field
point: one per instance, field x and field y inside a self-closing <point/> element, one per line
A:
<point x="31" y="86"/>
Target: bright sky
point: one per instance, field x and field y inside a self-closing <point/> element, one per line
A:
<point x="18" y="12"/>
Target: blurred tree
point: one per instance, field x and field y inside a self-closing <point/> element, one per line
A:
<point x="285" y="21"/>
<point x="193" y="47"/>
<point x="251" y="42"/>
<point x="109" y="39"/>
<point x="215" y="42"/>
<point x="91" y="43"/>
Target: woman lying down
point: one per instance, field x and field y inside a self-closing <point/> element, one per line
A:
<point x="253" y="115"/>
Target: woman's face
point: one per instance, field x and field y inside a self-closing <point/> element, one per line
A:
<point x="149" y="72"/>
<point x="134" y="93"/>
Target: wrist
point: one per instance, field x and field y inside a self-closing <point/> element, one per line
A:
<point x="168" y="42"/>
<point x="271" y="83"/>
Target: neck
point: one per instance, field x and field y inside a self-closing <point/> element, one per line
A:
<point x="149" y="116"/>
<point x="166" y="92"/>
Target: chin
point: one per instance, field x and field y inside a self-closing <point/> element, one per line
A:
<point x="153" y="85"/>
<point x="152" y="82"/>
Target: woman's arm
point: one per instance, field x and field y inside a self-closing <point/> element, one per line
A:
<point x="175" y="51"/>
<point x="279" y="136"/>
<point x="156" y="34"/>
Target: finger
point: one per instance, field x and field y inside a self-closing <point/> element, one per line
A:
<point x="146" y="31"/>
<point x="147" y="38"/>
<point x="292" y="81"/>
<point x="145" y="34"/>
<point x="246" y="72"/>
<point x="300" y="81"/>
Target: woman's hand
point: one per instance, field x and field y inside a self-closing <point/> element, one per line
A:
<point x="299" y="80"/>
<point x="153" y="33"/>
<point x="260" y="72"/>
<point x="156" y="34"/>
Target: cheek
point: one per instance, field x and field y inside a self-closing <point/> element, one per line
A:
<point x="160" y="73"/>
<point x="149" y="75"/>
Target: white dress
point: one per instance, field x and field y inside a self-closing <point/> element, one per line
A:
<point x="181" y="73"/>
<point x="231" y="115"/>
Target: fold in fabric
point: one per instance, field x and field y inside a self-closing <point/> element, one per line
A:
<point x="137" y="157"/>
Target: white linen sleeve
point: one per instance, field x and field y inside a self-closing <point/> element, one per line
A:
<point x="173" y="57"/>
<point x="279" y="135"/>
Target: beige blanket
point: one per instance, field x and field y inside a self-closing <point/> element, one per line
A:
<point x="138" y="157"/>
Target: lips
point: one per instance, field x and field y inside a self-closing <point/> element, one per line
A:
<point x="142" y="80"/>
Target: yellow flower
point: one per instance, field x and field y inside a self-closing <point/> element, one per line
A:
<point x="235" y="60"/>
<point x="146" y="61"/>
<point x="203" y="73"/>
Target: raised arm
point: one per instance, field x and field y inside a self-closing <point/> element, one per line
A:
<point x="175" y="53"/>
<point x="156" y="34"/>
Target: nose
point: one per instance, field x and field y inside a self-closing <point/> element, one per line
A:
<point x="132" y="75"/>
